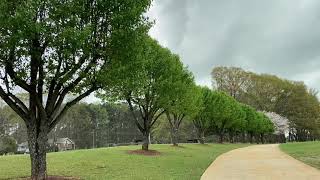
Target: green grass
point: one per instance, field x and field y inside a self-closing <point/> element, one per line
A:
<point x="307" y="152"/>
<point x="115" y="163"/>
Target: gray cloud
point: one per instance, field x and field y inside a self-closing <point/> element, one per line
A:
<point x="271" y="36"/>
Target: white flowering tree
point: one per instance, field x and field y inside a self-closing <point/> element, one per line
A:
<point x="281" y="123"/>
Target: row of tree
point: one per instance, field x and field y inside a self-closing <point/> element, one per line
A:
<point x="156" y="83"/>
<point x="52" y="49"/>
<point x="290" y="99"/>
<point x="221" y="114"/>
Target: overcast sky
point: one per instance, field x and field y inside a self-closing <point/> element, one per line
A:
<point x="280" y="37"/>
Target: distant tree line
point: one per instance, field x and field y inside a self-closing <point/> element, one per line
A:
<point x="290" y="99"/>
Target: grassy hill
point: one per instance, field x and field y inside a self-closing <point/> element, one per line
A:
<point x="187" y="162"/>
<point x="307" y="152"/>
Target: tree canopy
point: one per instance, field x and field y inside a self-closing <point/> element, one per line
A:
<point x="148" y="83"/>
<point x="49" y="49"/>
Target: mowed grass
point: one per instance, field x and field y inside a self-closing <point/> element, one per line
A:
<point x="185" y="163"/>
<point x="307" y="152"/>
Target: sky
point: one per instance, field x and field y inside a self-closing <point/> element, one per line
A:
<point x="280" y="37"/>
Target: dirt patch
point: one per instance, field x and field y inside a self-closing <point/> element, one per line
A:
<point x="62" y="178"/>
<point x="145" y="153"/>
<point x="55" y="178"/>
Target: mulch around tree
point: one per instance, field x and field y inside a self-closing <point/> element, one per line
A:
<point x="56" y="178"/>
<point x="145" y="153"/>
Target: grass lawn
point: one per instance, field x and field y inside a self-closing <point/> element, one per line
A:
<point x="185" y="163"/>
<point x="307" y="152"/>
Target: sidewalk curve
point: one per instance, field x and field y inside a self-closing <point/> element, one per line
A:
<point x="260" y="162"/>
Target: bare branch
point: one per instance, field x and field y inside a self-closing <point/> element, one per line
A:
<point x="14" y="105"/>
<point x="157" y="117"/>
<point x="18" y="101"/>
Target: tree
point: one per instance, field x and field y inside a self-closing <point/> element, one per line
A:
<point x="76" y="125"/>
<point x="281" y="124"/>
<point x="251" y="121"/>
<point x="266" y="92"/>
<point x="183" y="102"/>
<point x="56" y="48"/>
<point x="264" y="126"/>
<point x="203" y="116"/>
<point x="302" y="110"/>
<point x="145" y="83"/>
<point x="161" y="132"/>
<point x="231" y="80"/>
<point x="226" y="114"/>
<point x="99" y="119"/>
<point x="97" y="125"/>
<point x="270" y="93"/>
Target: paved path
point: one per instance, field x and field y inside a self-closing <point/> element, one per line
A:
<point x="261" y="162"/>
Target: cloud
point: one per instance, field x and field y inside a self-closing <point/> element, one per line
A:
<point x="272" y="36"/>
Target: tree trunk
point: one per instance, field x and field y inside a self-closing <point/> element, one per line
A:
<point x="174" y="136"/>
<point x="37" y="141"/>
<point x="251" y="138"/>
<point x="145" y="142"/>
<point x="282" y="138"/>
<point x="221" y="138"/>
<point x="243" y="137"/>
<point x="262" y="138"/>
<point x="201" y="137"/>
<point x="231" y="137"/>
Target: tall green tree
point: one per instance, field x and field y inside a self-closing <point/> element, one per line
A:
<point x="250" y="120"/>
<point x="264" y="126"/>
<point x="201" y="119"/>
<point x="226" y="114"/>
<point x="99" y="120"/>
<point x="56" y="48"/>
<point x="145" y="83"/>
<point x="302" y="109"/>
<point x="183" y="104"/>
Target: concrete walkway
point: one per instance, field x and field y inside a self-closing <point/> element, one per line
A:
<point x="261" y="162"/>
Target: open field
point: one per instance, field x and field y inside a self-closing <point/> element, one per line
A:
<point x="307" y="152"/>
<point x="186" y="163"/>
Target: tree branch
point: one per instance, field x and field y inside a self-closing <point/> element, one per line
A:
<point x="10" y="71"/>
<point x="156" y="118"/>
<point x="57" y="117"/>
<point x="14" y="105"/>
<point x="134" y="115"/>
